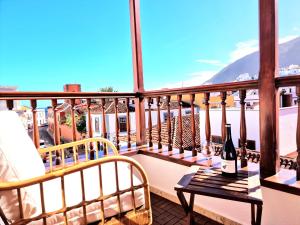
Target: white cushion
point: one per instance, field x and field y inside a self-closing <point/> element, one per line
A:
<point x="19" y="160"/>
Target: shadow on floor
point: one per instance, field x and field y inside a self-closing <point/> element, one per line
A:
<point x="166" y="212"/>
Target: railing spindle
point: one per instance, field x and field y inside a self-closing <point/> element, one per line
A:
<point x="117" y="123"/>
<point x="74" y="128"/>
<point x="104" y="133"/>
<point x="92" y="150"/>
<point x="223" y="103"/>
<point x="128" y="123"/>
<point x="298" y="133"/>
<point x="35" y="135"/>
<point x="168" y="98"/>
<point x="10" y="104"/>
<point x="73" y="119"/>
<point x="193" y="125"/>
<point x="55" y="130"/>
<point x="179" y="100"/>
<point x="158" y="123"/>
<point x="149" y="122"/>
<point x="207" y="122"/>
<point x="243" y="129"/>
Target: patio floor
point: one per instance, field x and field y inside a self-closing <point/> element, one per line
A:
<point x="166" y="212"/>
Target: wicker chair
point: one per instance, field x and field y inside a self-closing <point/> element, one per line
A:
<point x="115" y="203"/>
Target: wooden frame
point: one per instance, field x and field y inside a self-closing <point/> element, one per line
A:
<point x="138" y="215"/>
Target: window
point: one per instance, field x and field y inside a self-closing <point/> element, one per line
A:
<point x="97" y="127"/>
<point x="122" y="124"/>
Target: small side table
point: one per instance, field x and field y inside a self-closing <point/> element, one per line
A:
<point x="210" y="182"/>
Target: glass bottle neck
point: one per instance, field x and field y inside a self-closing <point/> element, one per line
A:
<point x="228" y="133"/>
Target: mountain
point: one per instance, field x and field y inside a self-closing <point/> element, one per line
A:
<point x="289" y="53"/>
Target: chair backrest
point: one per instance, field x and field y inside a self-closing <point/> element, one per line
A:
<point x="19" y="160"/>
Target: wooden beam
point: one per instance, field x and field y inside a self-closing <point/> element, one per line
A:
<point x="137" y="70"/>
<point x="36" y="134"/>
<point x="268" y="101"/>
<point x="136" y="45"/>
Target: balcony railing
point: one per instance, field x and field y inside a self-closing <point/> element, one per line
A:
<point x="144" y="105"/>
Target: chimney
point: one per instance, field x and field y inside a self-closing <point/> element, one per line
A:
<point x="72" y="88"/>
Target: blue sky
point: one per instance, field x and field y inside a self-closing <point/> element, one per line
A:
<point x="45" y="44"/>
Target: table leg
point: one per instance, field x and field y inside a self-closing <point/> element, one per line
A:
<point x="256" y="220"/>
<point x="191" y="210"/>
<point x="252" y="214"/>
<point x="183" y="202"/>
<point x="258" y="216"/>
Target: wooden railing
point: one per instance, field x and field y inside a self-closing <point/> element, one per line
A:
<point x="113" y="98"/>
<point x="146" y="98"/>
<point x="177" y="93"/>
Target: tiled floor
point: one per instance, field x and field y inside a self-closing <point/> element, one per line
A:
<point x="169" y="213"/>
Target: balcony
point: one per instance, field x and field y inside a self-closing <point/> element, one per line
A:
<point x="161" y="130"/>
<point x="158" y="148"/>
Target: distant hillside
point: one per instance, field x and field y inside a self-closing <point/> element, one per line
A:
<point x="289" y="53"/>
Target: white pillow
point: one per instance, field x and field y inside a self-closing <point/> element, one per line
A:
<point x="19" y="160"/>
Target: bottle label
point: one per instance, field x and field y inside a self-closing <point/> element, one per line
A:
<point x="228" y="166"/>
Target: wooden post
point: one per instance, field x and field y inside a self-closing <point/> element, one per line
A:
<point x="298" y="133"/>
<point x="137" y="71"/>
<point x="268" y="93"/>
<point x="168" y="98"/>
<point x="128" y="123"/>
<point x="104" y="133"/>
<point x="224" y="121"/>
<point x="243" y="129"/>
<point x="158" y="123"/>
<point x="179" y="100"/>
<point x="150" y="122"/>
<point x="35" y="135"/>
<point x="10" y="104"/>
<point x="55" y="130"/>
<point x="73" y="119"/>
<point x="207" y="122"/>
<point x="117" y="123"/>
<point x="92" y="151"/>
<point x="193" y="125"/>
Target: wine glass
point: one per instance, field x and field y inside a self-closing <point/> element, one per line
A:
<point x="207" y="151"/>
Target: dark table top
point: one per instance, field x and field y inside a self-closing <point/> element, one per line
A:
<point x="210" y="182"/>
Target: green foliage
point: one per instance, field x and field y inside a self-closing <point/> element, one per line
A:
<point x="107" y="89"/>
<point x="81" y="124"/>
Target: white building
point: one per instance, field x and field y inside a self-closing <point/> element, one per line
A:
<point x="122" y="117"/>
<point x="41" y="117"/>
<point x="287" y="126"/>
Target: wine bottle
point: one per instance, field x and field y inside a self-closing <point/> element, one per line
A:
<point x="228" y="156"/>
